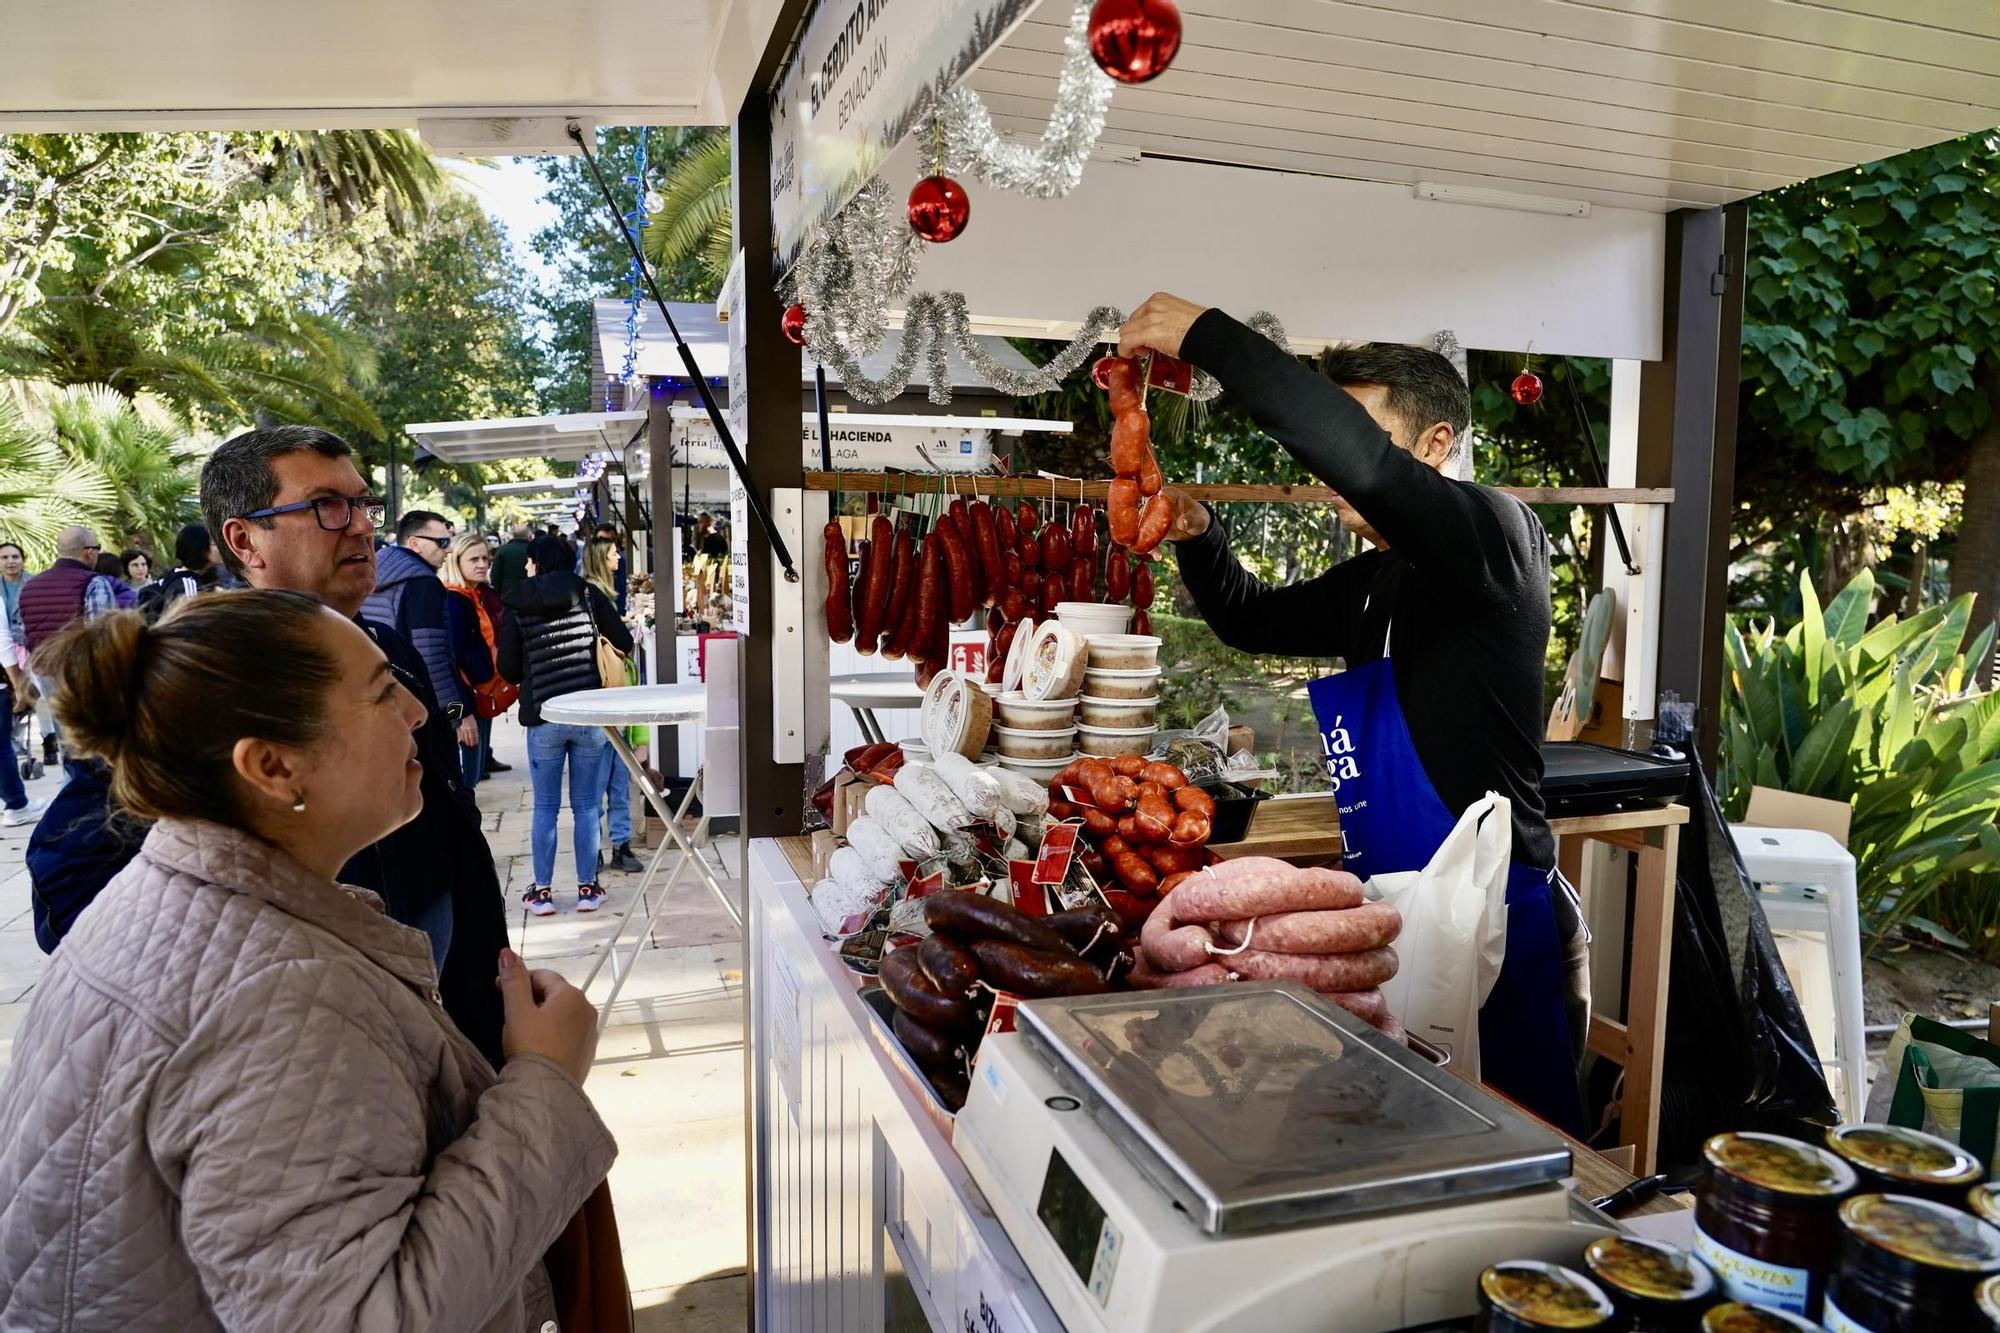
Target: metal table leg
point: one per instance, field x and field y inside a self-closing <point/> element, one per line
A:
<point x="689" y="848"/>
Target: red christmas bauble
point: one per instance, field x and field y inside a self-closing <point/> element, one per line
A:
<point x="1526" y="388"/>
<point x="1101" y="372"/>
<point x="939" y="208"/>
<point x="1135" y="40"/>
<point x="794" y="324"/>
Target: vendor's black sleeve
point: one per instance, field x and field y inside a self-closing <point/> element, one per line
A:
<point x="1315" y="618"/>
<point x="1453" y="530"/>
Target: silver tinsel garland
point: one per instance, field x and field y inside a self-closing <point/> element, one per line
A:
<point x="962" y="141"/>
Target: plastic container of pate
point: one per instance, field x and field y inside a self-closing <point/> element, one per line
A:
<point x="1109" y="683"/>
<point x="1111" y="742"/>
<point x="1123" y="652"/>
<point x="1020" y="712"/>
<point x="1036" y="744"/>
<point x="1120" y="712"/>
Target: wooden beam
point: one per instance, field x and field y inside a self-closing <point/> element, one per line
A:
<point x="1064" y="488"/>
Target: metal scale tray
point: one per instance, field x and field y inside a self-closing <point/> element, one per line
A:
<point x="1262" y="1105"/>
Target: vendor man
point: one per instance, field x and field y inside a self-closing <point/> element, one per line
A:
<point x="1443" y="627"/>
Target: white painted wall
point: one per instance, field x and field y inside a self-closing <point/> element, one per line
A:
<point x="1333" y="259"/>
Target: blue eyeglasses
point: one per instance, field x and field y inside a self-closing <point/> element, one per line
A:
<point x="334" y="512"/>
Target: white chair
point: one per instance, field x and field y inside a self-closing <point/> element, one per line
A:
<point x="1805" y="881"/>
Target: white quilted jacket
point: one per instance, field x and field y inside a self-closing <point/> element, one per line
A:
<point x="235" y="1103"/>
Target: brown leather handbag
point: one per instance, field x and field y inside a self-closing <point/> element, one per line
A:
<point x="586" y="1270"/>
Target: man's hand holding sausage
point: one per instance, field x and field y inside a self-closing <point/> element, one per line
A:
<point x="1159" y="324"/>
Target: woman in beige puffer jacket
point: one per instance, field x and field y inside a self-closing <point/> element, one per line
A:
<point x="235" y="1102"/>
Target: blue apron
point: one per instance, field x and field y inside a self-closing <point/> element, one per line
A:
<point x="1391" y="819"/>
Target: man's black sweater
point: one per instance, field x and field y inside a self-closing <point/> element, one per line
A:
<point x="1465" y="581"/>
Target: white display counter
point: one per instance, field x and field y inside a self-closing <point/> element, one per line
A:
<point x="868" y="1219"/>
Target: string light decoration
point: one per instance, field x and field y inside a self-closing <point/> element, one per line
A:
<point x="636" y="276"/>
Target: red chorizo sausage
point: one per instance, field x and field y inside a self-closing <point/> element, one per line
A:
<point x="1083" y="531"/>
<point x="1194" y="798"/>
<point x="1134" y="874"/>
<point x="1081" y="580"/>
<point x="1121" y="507"/>
<point x="961" y="514"/>
<point x="1008" y="532"/>
<point x="1192" y="828"/>
<point x="876" y="572"/>
<point x="1142" y="585"/>
<point x="986" y="537"/>
<point x="1117" y="573"/>
<point x="1142" y="621"/>
<point x="1129" y="434"/>
<point x="1167" y="775"/>
<point x="902" y="595"/>
<point x="1129" y="766"/>
<point x="1154" y="820"/>
<point x="1055" y="548"/>
<point x="1028" y="543"/>
<point x="1123" y="383"/>
<point x="1151" y="479"/>
<point x="839" y="607"/>
<point x="1260" y="885"/>
<point x="920" y="634"/>
<point x="1154" y="520"/>
<point x="1031" y="585"/>
<point x="1055" y="589"/>
<point x="960" y="581"/>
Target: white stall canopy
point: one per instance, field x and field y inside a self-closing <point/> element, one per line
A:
<point x="569" y="436"/>
<point x="477" y="78"/>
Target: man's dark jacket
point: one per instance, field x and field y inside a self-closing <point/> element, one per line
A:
<point x="409" y="598"/>
<point x="81" y="843"/>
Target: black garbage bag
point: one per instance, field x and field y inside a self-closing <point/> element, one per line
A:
<point x="1739" y="1055"/>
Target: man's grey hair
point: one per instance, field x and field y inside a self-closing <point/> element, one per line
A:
<point x="71" y="543"/>
<point x="237" y="478"/>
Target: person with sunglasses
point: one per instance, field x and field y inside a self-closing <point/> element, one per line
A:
<point x="291" y="512"/>
<point x="409" y="597"/>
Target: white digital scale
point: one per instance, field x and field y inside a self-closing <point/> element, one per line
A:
<point x="1253" y="1157"/>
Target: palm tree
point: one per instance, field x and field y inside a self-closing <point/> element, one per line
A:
<point x="354" y="170"/>
<point x="140" y="451"/>
<point x="692" y="223"/>
<point x="42" y="491"/>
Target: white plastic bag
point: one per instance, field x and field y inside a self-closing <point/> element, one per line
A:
<point x="1454" y="931"/>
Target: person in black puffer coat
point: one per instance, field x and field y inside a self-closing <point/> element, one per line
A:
<point x="548" y="646"/>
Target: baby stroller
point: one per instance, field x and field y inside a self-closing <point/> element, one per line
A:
<point x="26" y="753"/>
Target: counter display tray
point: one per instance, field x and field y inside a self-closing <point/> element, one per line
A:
<point x="1581" y="778"/>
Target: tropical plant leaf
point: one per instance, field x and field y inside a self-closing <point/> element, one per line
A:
<point x="1847" y="615"/>
<point x="1812" y="637"/>
<point x="1821" y="757"/>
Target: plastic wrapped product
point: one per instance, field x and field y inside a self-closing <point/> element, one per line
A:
<point x="900" y="820"/>
<point x="977" y="787"/>
<point x="933" y="797"/>
<point x="877" y="848"/>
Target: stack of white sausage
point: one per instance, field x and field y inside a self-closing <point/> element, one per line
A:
<point x="1260" y="919"/>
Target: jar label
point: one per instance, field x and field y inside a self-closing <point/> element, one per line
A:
<point x="1837" y="1322"/>
<point x="1753" y="1281"/>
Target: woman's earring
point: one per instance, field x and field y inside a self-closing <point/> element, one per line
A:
<point x="298" y="802"/>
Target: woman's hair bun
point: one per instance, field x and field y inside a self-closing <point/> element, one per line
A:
<point x="97" y="670"/>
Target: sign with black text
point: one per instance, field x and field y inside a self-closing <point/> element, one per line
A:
<point x="864" y="74"/>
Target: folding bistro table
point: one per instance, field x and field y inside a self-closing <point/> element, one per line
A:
<point x="637" y="706"/>
<point x="866" y="691"/>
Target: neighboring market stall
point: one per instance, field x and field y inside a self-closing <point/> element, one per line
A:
<point x="984" y="1127"/>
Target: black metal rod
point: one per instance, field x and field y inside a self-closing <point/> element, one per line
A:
<point x="761" y="510"/>
<point x="825" y="433"/>
<point x="1596" y="464"/>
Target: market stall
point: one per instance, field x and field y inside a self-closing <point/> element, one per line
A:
<point x="988" y="1087"/>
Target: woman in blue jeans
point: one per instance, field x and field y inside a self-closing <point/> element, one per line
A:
<point x="548" y="646"/>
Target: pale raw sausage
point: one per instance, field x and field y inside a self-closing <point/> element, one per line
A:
<point x="1169" y="945"/>
<point x="1327" y="973"/>
<point x="1147" y="977"/>
<point x="1260" y="885"/>
<point x="1341" y="930"/>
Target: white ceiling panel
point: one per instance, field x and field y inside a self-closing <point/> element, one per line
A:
<point x="221" y="64"/>
<point x="1651" y="104"/>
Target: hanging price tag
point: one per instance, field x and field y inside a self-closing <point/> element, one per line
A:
<point x="1058" y="849"/>
<point x="1171" y="374"/>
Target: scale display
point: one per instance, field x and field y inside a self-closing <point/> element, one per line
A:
<point x="1073" y="1216"/>
<point x="1261" y="1105"/>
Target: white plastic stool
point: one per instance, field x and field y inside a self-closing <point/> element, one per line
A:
<point x="1805" y="881"/>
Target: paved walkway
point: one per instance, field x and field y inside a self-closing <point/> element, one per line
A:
<point x="669" y="1073"/>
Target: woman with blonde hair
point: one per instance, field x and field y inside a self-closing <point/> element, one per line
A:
<point x="472" y="618"/>
<point x="234" y="1101"/>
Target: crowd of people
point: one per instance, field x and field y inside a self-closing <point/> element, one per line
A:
<point x="283" y="1070"/>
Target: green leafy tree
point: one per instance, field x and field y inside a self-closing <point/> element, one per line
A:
<point x="691" y="227"/>
<point x="589" y="258"/>
<point x="1872" y="351"/>
<point x="90" y="455"/>
<point x="443" y="314"/>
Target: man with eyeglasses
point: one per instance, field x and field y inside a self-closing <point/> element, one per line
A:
<point x="410" y="599"/>
<point x="291" y="511"/>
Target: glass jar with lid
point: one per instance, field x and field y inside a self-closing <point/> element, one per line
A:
<point x="1656" y="1288"/>
<point x="1765" y="1219"/>
<point x="1529" y="1296"/>
<point x="1736" y="1317"/>
<point x="1908" y="1265"/>
<point x="1892" y="1160"/>
<point x="1987" y="1298"/>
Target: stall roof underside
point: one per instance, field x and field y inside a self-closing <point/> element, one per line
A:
<point x="1644" y="104"/>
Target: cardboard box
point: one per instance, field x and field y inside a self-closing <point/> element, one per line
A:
<point x="850" y="792"/>
<point x="824" y="844"/>
<point x="1771" y="808"/>
<point x="1241" y="738"/>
